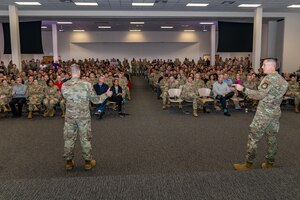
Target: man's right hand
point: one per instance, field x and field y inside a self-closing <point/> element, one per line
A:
<point x="109" y="93"/>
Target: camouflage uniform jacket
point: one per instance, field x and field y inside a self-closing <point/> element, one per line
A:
<point x="270" y="93"/>
<point x="37" y="90"/>
<point x="78" y="94"/>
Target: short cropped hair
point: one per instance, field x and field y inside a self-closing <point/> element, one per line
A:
<point x="271" y="61"/>
<point x="75" y="68"/>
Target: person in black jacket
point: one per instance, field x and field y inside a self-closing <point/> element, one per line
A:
<point x="101" y="88"/>
<point x="117" y="95"/>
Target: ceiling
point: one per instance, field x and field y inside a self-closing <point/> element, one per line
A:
<point x="151" y="24"/>
<point x="160" y="5"/>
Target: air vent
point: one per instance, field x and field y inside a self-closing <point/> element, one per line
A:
<point x="101" y="22"/>
<point x="228" y="2"/>
<point x="66" y="1"/>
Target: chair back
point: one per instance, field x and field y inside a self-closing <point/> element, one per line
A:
<point x="204" y="92"/>
<point x="174" y="92"/>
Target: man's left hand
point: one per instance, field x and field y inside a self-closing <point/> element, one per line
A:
<point x="239" y="87"/>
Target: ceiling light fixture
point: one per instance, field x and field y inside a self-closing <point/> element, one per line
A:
<point x="64" y="22"/>
<point x="206" y="23"/>
<point x="142" y="4"/>
<point x="189" y="30"/>
<point x="137" y="22"/>
<point x="136" y="30"/>
<point x="104" y="26"/>
<point x="78" y="30"/>
<point x="294" y="6"/>
<point x="197" y="4"/>
<point x="44" y="27"/>
<point x="86" y="3"/>
<point x="249" y="5"/>
<point x="33" y="3"/>
<point x="167" y="27"/>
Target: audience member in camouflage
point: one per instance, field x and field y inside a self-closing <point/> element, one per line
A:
<point x="294" y="91"/>
<point x="171" y="83"/>
<point x="52" y="96"/>
<point x="35" y="97"/>
<point x="78" y="94"/>
<point x="5" y="95"/>
<point x="266" y="120"/>
<point x="189" y="93"/>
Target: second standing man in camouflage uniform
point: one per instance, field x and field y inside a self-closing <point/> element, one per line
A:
<point x="266" y="120"/>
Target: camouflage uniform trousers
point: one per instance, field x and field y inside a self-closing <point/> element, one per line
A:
<point x="193" y="98"/>
<point x="71" y="129"/>
<point x="296" y="95"/>
<point x="50" y="102"/>
<point x="62" y="104"/>
<point x="261" y="125"/>
<point x="4" y="101"/>
<point x="33" y="101"/>
<point x="165" y="96"/>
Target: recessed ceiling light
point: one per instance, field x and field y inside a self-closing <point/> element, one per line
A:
<point x="142" y="4"/>
<point x="44" y="27"/>
<point x="33" y="3"/>
<point x="86" y="3"/>
<point x="249" y="5"/>
<point x="104" y="26"/>
<point x="294" y="6"/>
<point x="197" y="4"/>
<point x="61" y="30"/>
<point x="135" y="30"/>
<point x="167" y="27"/>
<point x="64" y="22"/>
<point x="137" y="22"/>
<point x="189" y="30"/>
<point x="207" y="23"/>
<point x="205" y="30"/>
<point x="78" y="30"/>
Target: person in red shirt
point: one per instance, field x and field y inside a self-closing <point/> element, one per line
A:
<point x="62" y="101"/>
<point x="58" y="82"/>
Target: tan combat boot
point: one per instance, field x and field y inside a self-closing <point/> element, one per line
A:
<point x="35" y="108"/>
<point x="63" y="113"/>
<point x="69" y="165"/>
<point x="195" y="113"/>
<point x="266" y="165"/>
<point x="5" y="109"/>
<point x="51" y="112"/>
<point x="46" y="113"/>
<point x="242" y="166"/>
<point x="89" y="164"/>
<point x="296" y="108"/>
<point x="29" y="115"/>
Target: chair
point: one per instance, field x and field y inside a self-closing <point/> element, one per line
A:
<point x="204" y="96"/>
<point x="174" y="96"/>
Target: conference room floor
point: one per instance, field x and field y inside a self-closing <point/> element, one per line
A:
<point x="150" y="154"/>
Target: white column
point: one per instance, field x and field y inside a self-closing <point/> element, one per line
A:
<point x="272" y="36"/>
<point x="55" y="42"/>
<point x="15" y="36"/>
<point x="213" y="45"/>
<point x="257" y="30"/>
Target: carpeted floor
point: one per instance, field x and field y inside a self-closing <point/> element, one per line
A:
<point x="150" y="154"/>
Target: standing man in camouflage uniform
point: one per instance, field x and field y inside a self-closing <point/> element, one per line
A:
<point x="266" y="120"/>
<point x="78" y="94"/>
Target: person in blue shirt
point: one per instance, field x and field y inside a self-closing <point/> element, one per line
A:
<point x="101" y="88"/>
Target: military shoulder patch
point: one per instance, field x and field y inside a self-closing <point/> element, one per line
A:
<point x="265" y="85"/>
